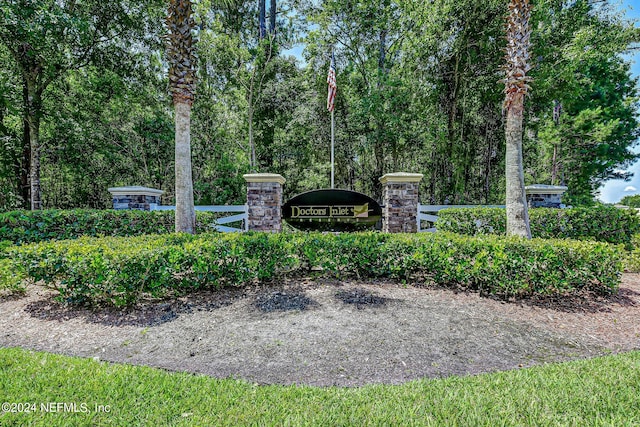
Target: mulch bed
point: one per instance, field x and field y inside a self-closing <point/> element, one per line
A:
<point x="331" y="332"/>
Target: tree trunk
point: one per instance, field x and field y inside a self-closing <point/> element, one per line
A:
<point x="272" y="17"/>
<point x="382" y="57"/>
<point x="33" y="120"/>
<point x="185" y="212"/>
<point x="487" y="166"/>
<point x="554" y="165"/>
<point x="34" y="164"/>
<point x="451" y="161"/>
<point x="23" y="166"/>
<point x="262" y="25"/>
<point x="380" y="137"/>
<point x="516" y="88"/>
<point x="517" y="212"/>
<point x="252" y="144"/>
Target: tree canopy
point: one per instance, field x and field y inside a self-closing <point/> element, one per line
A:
<point x="420" y="89"/>
<point x="631" y="201"/>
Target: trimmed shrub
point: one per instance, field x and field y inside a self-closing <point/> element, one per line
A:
<point x="11" y="278"/>
<point x="4" y="244"/>
<point x="632" y="260"/>
<point x="601" y="223"/>
<point x="119" y="271"/>
<point x="36" y="226"/>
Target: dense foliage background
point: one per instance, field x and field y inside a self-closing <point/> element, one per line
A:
<point x="419" y="90"/>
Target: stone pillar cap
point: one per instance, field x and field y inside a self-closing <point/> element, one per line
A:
<point x="264" y="177"/>
<point x="545" y="189"/>
<point x="401" y="177"/>
<point x="134" y="190"/>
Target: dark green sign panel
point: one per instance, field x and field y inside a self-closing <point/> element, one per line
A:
<point x="332" y="210"/>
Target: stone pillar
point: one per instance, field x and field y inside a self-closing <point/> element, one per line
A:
<point x="264" y="201"/>
<point x="135" y="198"/>
<point x="400" y="200"/>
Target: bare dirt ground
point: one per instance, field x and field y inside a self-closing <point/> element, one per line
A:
<point x="330" y="332"/>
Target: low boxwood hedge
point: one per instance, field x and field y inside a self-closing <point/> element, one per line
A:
<point x="37" y="226"/>
<point x="601" y="223"/>
<point x="119" y="271"/>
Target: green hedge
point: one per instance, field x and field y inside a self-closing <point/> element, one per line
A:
<point x="632" y="260"/>
<point x="37" y="226"/>
<point x="11" y="278"/>
<point x="119" y="271"/>
<point x="602" y="223"/>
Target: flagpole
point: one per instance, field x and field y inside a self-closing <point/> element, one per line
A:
<point x="331" y="96"/>
<point x="332" y="145"/>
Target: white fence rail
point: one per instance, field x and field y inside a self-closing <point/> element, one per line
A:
<point x="430" y="213"/>
<point x="243" y="216"/>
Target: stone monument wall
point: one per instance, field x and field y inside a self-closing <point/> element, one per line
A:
<point x="264" y="201"/>
<point x="400" y="200"/>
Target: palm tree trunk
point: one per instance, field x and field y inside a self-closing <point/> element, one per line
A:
<point x="516" y="203"/>
<point x="185" y="212"/>
<point x="516" y="88"/>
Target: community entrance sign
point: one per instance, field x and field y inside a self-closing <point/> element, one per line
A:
<point x="332" y="210"/>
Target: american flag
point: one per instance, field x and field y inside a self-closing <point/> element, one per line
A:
<point x="333" y="87"/>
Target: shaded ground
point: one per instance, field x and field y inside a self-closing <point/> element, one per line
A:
<point x="293" y="299"/>
<point x="361" y="298"/>
<point x="330" y="332"/>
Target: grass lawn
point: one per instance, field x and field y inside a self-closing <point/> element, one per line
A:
<point x="602" y="391"/>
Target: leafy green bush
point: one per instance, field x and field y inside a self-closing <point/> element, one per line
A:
<point x="632" y="259"/>
<point x="37" y="226"/>
<point x="119" y="270"/>
<point x="11" y="278"/>
<point x="631" y="201"/>
<point x="4" y="244"/>
<point x="601" y="223"/>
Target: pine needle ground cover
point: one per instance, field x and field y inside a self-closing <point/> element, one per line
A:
<point x="37" y="386"/>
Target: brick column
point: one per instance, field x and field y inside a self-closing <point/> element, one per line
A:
<point x="264" y="201"/>
<point x="400" y="200"/>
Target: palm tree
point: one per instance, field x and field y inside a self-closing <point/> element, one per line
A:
<point x="516" y="87"/>
<point x="182" y="85"/>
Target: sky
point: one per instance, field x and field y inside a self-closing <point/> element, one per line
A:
<point x="614" y="190"/>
